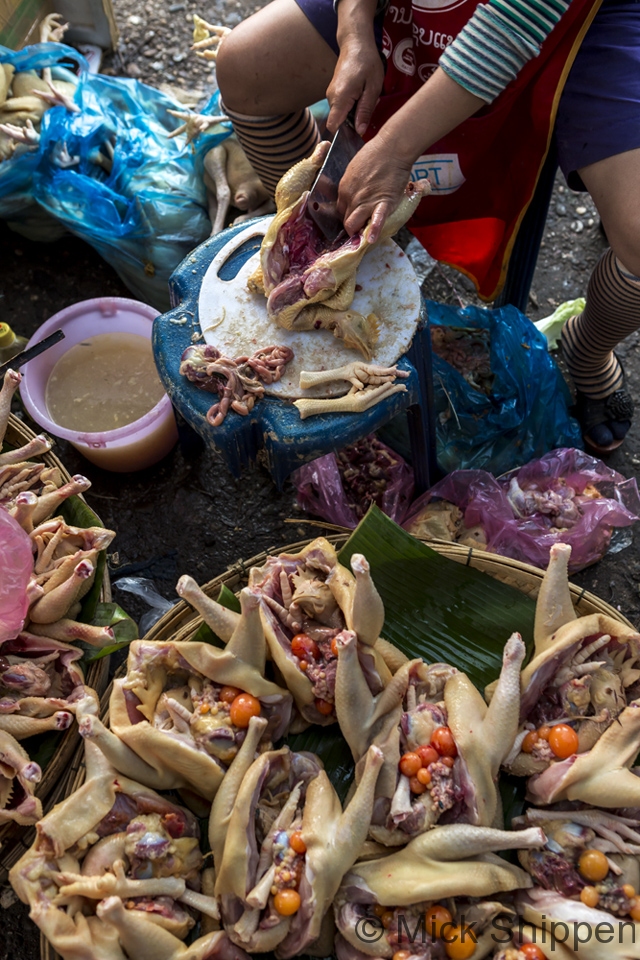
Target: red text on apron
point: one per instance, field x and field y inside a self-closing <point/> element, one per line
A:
<point x="484" y="173"/>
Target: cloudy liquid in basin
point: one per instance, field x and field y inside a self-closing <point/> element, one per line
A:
<point x="103" y="383"/>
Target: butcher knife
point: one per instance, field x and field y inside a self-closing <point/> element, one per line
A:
<point x="323" y="198"/>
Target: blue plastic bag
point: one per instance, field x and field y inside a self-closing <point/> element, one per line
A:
<point x="527" y="413"/>
<point x="17" y="201"/>
<point x="135" y="195"/>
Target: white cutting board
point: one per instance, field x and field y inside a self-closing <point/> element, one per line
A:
<point x="236" y="322"/>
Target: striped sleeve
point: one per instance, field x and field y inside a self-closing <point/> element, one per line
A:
<point x="497" y="41"/>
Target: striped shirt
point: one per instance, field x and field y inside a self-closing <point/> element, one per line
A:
<point x="494" y="45"/>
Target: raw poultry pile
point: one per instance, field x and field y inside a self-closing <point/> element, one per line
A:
<point x="566" y="496"/>
<point x="409" y="868"/>
<point x="25" y="96"/>
<point x="50" y="566"/>
<point x="309" y="283"/>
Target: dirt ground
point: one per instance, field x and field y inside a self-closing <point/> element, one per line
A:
<point x="188" y="515"/>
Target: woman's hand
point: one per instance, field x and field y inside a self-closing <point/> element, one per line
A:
<point x="372" y="186"/>
<point x="357" y="79"/>
<point x="376" y="177"/>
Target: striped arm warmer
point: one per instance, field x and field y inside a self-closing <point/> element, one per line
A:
<point x="497" y="41"/>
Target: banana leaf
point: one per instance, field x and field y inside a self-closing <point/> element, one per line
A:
<point x="205" y="634"/>
<point x="438" y="609"/>
<point x="124" y="628"/>
<point x="228" y="599"/>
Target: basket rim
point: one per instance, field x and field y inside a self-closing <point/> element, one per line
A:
<point x="182" y="613"/>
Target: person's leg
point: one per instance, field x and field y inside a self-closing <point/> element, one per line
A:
<point x="269" y="69"/>
<point x="598" y="137"/>
<point x="613" y="303"/>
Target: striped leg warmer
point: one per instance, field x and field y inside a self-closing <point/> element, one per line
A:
<point x="611" y="314"/>
<point x="274" y="144"/>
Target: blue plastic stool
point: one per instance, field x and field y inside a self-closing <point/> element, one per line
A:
<point x="274" y="426"/>
<point x="274" y="429"/>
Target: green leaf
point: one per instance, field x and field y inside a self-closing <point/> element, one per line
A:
<point x="205" y="634"/>
<point x="77" y="513"/>
<point x="112" y="648"/>
<point x="513" y="791"/>
<point x="124" y="628"/>
<point x="109" y="614"/>
<point x="42" y="747"/>
<point x="228" y="599"/>
<point x="438" y="609"/>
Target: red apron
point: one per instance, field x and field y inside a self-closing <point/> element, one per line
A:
<point x="485" y="172"/>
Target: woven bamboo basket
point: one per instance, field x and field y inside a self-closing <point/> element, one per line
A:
<point x="96" y="675"/>
<point x="181" y="622"/>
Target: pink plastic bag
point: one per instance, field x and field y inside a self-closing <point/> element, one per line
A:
<point x="321" y="490"/>
<point x="566" y="496"/>
<point x="16" y="566"/>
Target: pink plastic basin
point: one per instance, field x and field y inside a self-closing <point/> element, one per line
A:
<point x="132" y="447"/>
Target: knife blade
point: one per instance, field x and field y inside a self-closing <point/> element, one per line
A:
<point x="323" y="198"/>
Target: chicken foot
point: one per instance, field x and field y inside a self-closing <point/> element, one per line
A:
<point x="359" y="374"/>
<point x="356" y="401"/>
<point x="207" y="38"/>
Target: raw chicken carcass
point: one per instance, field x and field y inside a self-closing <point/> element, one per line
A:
<point x="310" y="284"/>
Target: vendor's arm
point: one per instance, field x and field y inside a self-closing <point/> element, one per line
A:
<point x="487" y="54"/>
<point x="359" y="73"/>
<point x="377" y="176"/>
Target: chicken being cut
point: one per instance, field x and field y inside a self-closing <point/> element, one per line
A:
<point x="310" y="283"/>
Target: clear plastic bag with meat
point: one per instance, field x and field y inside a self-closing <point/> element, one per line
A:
<point x="341" y="487"/>
<point x="566" y="496"/>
